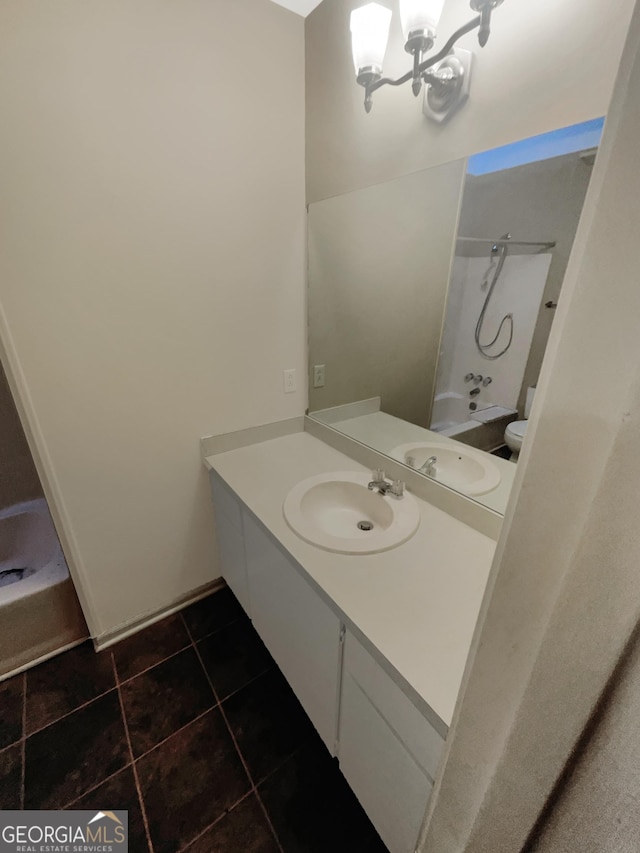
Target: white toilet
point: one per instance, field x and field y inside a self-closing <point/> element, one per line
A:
<point x="515" y="431"/>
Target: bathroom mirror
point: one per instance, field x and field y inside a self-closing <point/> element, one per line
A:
<point x="431" y="300"/>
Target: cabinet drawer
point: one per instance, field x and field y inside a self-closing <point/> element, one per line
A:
<point x="411" y="727"/>
<point x="390" y="785"/>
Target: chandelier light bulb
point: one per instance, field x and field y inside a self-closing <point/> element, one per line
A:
<point x="420" y="16"/>
<point x="369" y="37"/>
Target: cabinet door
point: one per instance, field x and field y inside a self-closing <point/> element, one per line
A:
<point x="383" y="745"/>
<point x="230" y="539"/>
<point x="299" y="629"/>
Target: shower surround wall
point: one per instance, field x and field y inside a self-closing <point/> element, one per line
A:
<point x="537" y="201"/>
<point x="519" y="292"/>
<point x="18" y="477"/>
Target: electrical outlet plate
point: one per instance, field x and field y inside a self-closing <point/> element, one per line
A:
<point x="318" y="375"/>
<point x="289" y="379"/>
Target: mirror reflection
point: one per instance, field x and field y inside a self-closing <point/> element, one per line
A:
<point x="431" y="300"/>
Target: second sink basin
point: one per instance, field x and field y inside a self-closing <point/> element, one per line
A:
<point x="337" y="512"/>
<point x="468" y="471"/>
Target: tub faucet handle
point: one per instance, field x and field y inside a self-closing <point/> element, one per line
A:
<point x="468" y="377"/>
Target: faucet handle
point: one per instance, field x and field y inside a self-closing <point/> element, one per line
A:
<point x="397" y="488"/>
<point x="377" y="476"/>
<point x="468" y="377"/>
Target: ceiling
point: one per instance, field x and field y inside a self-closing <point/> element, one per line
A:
<point x="302" y="7"/>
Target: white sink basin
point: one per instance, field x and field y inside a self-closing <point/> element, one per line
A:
<point x="461" y="468"/>
<point x="326" y="510"/>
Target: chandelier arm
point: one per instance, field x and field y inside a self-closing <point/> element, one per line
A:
<point x="463" y="31"/>
<point x="429" y="61"/>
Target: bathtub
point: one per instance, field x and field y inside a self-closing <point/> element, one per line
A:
<point x="39" y="610"/>
<point x="450" y="414"/>
<point x="31" y="558"/>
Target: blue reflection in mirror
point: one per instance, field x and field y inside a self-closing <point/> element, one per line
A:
<point x="566" y="140"/>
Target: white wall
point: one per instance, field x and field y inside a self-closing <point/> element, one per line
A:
<point x="151" y="265"/>
<point x="548" y="64"/>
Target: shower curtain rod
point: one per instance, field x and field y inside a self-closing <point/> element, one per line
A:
<point x="548" y="245"/>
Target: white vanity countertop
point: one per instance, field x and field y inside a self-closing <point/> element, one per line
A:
<point x="417" y="604"/>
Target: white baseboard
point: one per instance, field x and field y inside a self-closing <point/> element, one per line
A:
<point x="110" y="638"/>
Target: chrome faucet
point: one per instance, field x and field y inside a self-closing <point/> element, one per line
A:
<point x="394" y="489"/>
<point x="429" y="467"/>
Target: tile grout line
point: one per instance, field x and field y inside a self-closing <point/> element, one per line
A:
<point x="247" y="684"/>
<point x="254" y="788"/>
<point x="215" y="822"/>
<point x="69" y="713"/>
<point x="216" y="705"/>
<point x="253" y="784"/>
<point x="23" y="746"/>
<point x="96" y="786"/>
<point x="206" y="636"/>
<point x="95" y="698"/>
<point x="154" y="665"/>
<point x="135" y="769"/>
<point x="190" y="642"/>
<point x="215" y="631"/>
<point x="11" y="745"/>
<point x="176" y="732"/>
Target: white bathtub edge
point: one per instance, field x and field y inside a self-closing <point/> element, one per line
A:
<point x="42" y="659"/>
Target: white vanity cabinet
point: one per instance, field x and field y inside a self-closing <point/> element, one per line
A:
<point x="299" y="629"/>
<point x="230" y="539"/>
<point x="388" y="751"/>
<point x="386" y="747"/>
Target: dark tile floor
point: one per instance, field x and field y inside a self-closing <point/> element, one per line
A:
<point x="503" y="452"/>
<point x="191" y="727"/>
